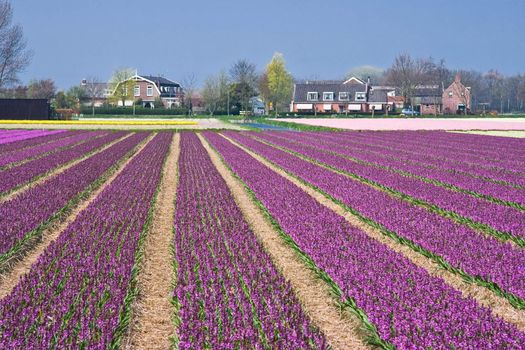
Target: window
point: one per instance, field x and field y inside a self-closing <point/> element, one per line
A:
<point x="328" y="96"/>
<point x="360" y="96"/>
<point x="312" y="96"/>
<point x="150" y="90"/>
<point x="344" y="96"/>
<point x="136" y="90"/>
<point x="450" y="94"/>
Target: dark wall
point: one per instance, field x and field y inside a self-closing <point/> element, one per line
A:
<point x="24" y="109"/>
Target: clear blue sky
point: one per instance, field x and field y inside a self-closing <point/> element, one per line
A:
<point x="72" y="39"/>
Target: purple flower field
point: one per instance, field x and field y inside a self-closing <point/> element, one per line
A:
<point x="109" y="239"/>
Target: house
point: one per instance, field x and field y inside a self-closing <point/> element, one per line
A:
<point x="152" y="89"/>
<point x="427" y="99"/>
<point x="350" y="96"/>
<point x="98" y="93"/>
<point x="456" y="98"/>
<point x="434" y="99"/>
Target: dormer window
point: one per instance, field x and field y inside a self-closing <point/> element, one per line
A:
<point x="344" y="96"/>
<point x="312" y="96"/>
<point x="360" y="96"/>
<point x="328" y="96"/>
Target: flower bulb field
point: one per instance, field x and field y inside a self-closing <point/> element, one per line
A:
<point x="261" y="240"/>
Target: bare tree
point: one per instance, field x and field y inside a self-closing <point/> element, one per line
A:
<point x="244" y="79"/>
<point x="94" y="89"/>
<point x="407" y="74"/>
<point x="402" y="75"/>
<point x="189" y="84"/>
<point x="14" y="56"/>
<point x="44" y="88"/>
<point x="214" y="92"/>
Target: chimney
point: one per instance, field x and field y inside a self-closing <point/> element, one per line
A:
<point x="458" y="78"/>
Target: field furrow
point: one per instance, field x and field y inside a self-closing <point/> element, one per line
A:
<point x="151" y="324"/>
<point x="342" y="329"/>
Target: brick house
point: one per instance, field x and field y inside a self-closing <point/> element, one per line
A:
<point x="456" y="98"/>
<point x="428" y="99"/>
<point x="151" y="89"/>
<point x="327" y="97"/>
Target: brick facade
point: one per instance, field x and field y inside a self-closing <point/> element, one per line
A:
<point x="456" y="98"/>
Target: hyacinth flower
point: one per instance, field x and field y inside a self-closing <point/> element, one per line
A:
<point x="13" y="138"/>
<point x="77" y="293"/>
<point x="408" y="307"/>
<point x="23" y="215"/>
<point x="41" y="149"/>
<point x="229" y="293"/>
<point x="18" y="175"/>
<point x="509" y="221"/>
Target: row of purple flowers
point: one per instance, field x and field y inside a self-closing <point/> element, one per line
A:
<point x="8" y="158"/>
<point x="15" y="177"/>
<point x="18" y="145"/>
<point x="29" y="212"/>
<point x="431" y="156"/>
<point x="228" y="292"/>
<point x="475" y="185"/>
<point x="25" y="135"/>
<point x="408" y="307"/>
<point x="460" y="246"/>
<point x="508" y="220"/>
<point x="78" y="293"/>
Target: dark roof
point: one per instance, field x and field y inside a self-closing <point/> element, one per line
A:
<point x="378" y="96"/>
<point x="160" y="80"/>
<point x="301" y="90"/>
<point x="432" y="90"/>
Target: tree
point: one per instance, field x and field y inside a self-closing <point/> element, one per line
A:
<point x="74" y="96"/>
<point x="44" y="88"/>
<point x="494" y="81"/>
<point x="60" y="101"/>
<point x="407" y="74"/>
<point x="215" y="93"/>
<point x="121" y="86"/>
<point x="189" y="83"/>
<point x="94" y="89"/>
<point x="244" y="83"/>
<point x="279" y="83"/>
<point x="14" y="56"/>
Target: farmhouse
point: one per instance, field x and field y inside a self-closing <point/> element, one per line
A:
<point x="456" y="98"/>
<point x="154" y="89"/>
<point x="434" y="99"/>
<point x="350" y="96"/>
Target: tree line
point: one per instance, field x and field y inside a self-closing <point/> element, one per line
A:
<point x="234" y="91"/>
<point x="490" y="91"/>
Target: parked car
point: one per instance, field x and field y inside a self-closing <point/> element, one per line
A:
<point x="409" y="111"/>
